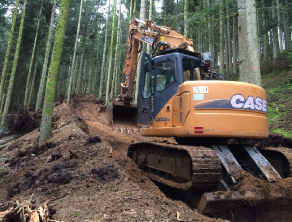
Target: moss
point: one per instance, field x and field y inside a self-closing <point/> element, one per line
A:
<point x="46" y="123"/>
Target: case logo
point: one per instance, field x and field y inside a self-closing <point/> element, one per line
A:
<point x="147" y="39"/>
<point x="238" y="101"/>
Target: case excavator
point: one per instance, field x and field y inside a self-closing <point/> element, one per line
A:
<point x="179" y="96"/>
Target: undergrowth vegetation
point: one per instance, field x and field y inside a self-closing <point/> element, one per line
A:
<point x="277" y="81"/>
<point x="279" y="90"/>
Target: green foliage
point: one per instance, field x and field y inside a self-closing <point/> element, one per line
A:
<point x="289" y="57"/>
<point x="278" y="86"/>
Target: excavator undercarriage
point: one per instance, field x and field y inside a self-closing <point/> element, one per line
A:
<point x="212" y="169"/>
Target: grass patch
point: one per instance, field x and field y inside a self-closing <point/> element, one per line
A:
<point x="278" y="86"/>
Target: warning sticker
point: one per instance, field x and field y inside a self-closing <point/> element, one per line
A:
<point x="200" y="89"/>
<point x="198" y="96"/>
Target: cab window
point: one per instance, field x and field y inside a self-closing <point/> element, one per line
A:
<point x="165" y="74"/>
<point x="191" y="69"/>
<point x="146" y="92"/>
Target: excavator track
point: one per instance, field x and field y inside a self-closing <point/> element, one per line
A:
<point x="216" y="171"/>
<point x="178" y="166"/>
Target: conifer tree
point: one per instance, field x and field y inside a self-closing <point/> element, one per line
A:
<point x="102" y="72"/>
<point x="250" y="59"/>
<point x="4" y="72"/>
<point x="28" y="81"/>
<point x="74" y="55"/>
<point x="15" y="62"/>
<point x="47" y="114"/>
<point x="41" y="89"/>
<point x="111" y="54"/>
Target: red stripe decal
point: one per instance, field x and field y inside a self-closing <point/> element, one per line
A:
<point x="199" y="131"/>
<point x="198" y="127"/>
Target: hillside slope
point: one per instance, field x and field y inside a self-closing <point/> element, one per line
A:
<point x="84" y="172"/>
<point x="85" y="175"/>
<point x="278" y="86"/>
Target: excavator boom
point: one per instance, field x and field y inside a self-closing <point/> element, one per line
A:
<point x="163" y="39"/>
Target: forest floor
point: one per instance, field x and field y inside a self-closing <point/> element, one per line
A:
<point x="85" y="174"/>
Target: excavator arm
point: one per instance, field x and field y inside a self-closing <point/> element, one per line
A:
<point x="164" y="38"/>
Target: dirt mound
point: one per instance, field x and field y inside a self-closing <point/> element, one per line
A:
<point x="23" y="121"/>
<point x="272" y="141"/>
<point x="86" y="175"/>
<point x="84" y="172"/>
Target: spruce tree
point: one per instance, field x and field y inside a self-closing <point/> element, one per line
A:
<point x="46" y="122"/>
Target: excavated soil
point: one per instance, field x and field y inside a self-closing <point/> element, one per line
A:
<point x="85" y="174"/>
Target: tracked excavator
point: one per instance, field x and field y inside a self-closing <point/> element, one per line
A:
<point x="179" y="96"/>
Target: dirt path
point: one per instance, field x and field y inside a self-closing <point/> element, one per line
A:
<point x="272" y="197"/>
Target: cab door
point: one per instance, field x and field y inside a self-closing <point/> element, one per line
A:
<point x="145" y="91"/>
<point x="167" y="78"/>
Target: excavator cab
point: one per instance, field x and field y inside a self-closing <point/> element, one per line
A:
<point x="160" y="78"/>
<point x="178" y="96"/>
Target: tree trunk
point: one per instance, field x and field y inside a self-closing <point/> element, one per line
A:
<point x="234" y="37"/>
<point x="94" y="88"/>
<point x="5" y="65"/>
<point x="73" y="85"/>
<point x="109" y="74"/>
<point x="210" y="35"/>
<point x="116" y="63"/>
<point x="41" y="90"/>
<point x="131" y="11"/>
<point x="226" y="49"/>
<point x="74" y="54"/>
<point x="12" y="76"/>
<point x="118" y="71"/>
<point x="229" y="51"/>
<point x="79" y="78"/>
<point x="59" y="82"/>
<point x="46" y="122"/>
<point x="134" y="13"/>
<point x="84" y="77"/>
<point x="31" y="88"/>
<point x="251" y="71"/>
<point x="150" y="18"/>
<point x="186" y="26"/>
<point x="275" y="35"/>
<point x="279" y="26"/>
<point x="165" y="12"/>
<point x="143" y="18"/>
<point x="26" y="94"/>
<point x="88" y="86"/>
<point x="104" y="55"/>
<point x="287" y="30"/>
<point x="221" y="41"/>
